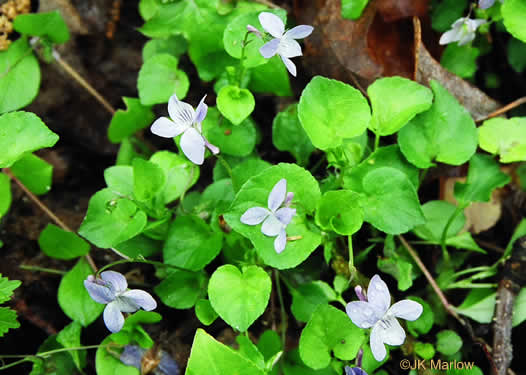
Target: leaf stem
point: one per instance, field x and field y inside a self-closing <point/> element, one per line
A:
<point x="242" y="58"/>
<point x="443" y="239"/>
<point x="352" y="269"/>
<point x="376" y="140"/>
<point x="282" y="309"/>
<point x="42" y="269"/>
<point x="138" y="260"/>
<point x="225" y="164"/>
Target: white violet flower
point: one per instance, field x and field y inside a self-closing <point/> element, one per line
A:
<point x="112" y="290"/>
<point x="376" y="313"/>
<point x="276" y="218"/>
<point x="284" y="43"/>
<point x="485" y="4"/>
<point x="183" y="119"/>
<point x="462" y="31"/>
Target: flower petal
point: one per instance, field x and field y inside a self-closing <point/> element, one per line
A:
<point x="392" y="333"/>
<point x="406" y="309"/>
<point x="141" y="298"/>
<point x="277" y="195"/>
<point x="113" y="317"/>
<point x="99" y="293"/>
<point x="214" y="149"/>
<point x="269" y="49"/>
<point x="299" y="32"/>
<point x="354" y="371"/>
<point x="272" y="24"/>
<point x="289" y="65"/>
<point x="180" y="112"/>
<point x="255" y="31"/>
<point x="377" y="344"/>
<point x="200" y="111"/>
<point x="485" y="4"/>
<point x="289" y="48"/>
<point x="116" y="280"/>
<point x="285" y="215"/>
<point x="449" y="37"/>
<point x="166" y="128"/>
<point x="168" y="366"/>
<point x="466" y="38"/>
<point x="271" y="226"/>
<point x="362" y="314"/>
<point x="125" y="304"/>
<point x="378" y="295"/>
<point x="289" y="198"/>
<point x="132" y="355"/>
<point x="281" y="241"/>
<point x="254" y="215"/>
<point x="193" y="146"/>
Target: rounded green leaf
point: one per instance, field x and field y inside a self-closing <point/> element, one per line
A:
<point x="460" y="60"/>
<point x="391" y="202"/>
<point x="35" y="173"/>
<point x="20" y="77"/>
<point x="270" y="78"/>
<point x="125" y="123"/>
<point x="331" y="110"/>
<point x="159" y="79"/>
<point x="58" y="243"/>
<point x="329" y="330"/>
<point x="205" y="312"/>
<point x="239" y="298"/>
<point x="174" y="45"/>
<point x="307" y="297"/>
<point x="21" y="133"/>
<point x="148" y="179"/>
<point x="425" y="322"/>
<point x="45" y="24"/>
<point x="191" y="243"/>
<point x="242" y="172"/>
<point x="254" y="193"/>
<point x="448" y="342"/>
<point x="352" y="9"/>
<point x="504" y="137"/>
<point x="340" y="211"/>
<point x="5" y="194"/>
<point x="425" y="350"/>
<point x="107" y="363"/>
<point x="235" y="104"/>
<point x="514" y="14"/>
<point x="445" y="133"/>
<point x="73" y="297"/>
<point x="395" y="101"/>
<point x="182" y="289"/>
<point x="235" y="140"/>
<point x="437" y="215"/>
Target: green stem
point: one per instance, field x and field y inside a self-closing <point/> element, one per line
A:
<point x="42" y="269"/>
<point x="13" y="364"/>
<point x="226" y="165"/>
<point x="352" y="269"/>
<point x="376" y="141"/>
<point x="443" y="239"/>
<point x="138" y="260"/>
<point x="242" y="58"/>
<point x="471" y="270"/>
<point x="282" y="309"/>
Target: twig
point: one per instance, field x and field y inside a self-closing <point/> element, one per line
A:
<point x="504" y="109"/>
<point x="46" y="210"/>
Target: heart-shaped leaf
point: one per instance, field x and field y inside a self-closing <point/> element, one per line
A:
<point x="340" y="211"/>
<point x="505" y="137"/>
<point x="235" y="104"/>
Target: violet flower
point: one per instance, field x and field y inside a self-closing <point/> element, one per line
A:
<point x="462" y="31"/>
<point x="485" y="4"/>
<point x="284" y="43"/>
<point x="377" y="314"/>
<point x="161" y="363"/>
<point x="112" y="289"/>
<point x="276" y="218"/>
<point x="354" y="371"/>
<point x="183" y="119"/>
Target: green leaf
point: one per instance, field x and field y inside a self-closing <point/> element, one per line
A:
<point x="7" y="287"/>
<point x="391" y="202"/>
<point x="425" y="350"/>
<point x="293" y="365"/>
<point x="182" y="289"/>
<point x="210" y="357"/>
<point x="235" y="140"/>
<point x="484" y="176"/>
<point x="460" y="60"/>
<point x="445" y="133"/>
<point x="239" y="298"/>
<point x="139" y="246"/>
<point x="479" y="305"/>
<point x="425" y="322"/>
<point x="205" y="312"/>
<point x="35" y="173"/>
<point x="125" y="123"/>
<point x="269" y="344"/>
<point x="242" y="172"/>
<point x="7" y="320"/>
<point x="235" y="34"/>
<point x="174" y="45"/>
<point x="448" y="342"/>
<point x="353" y="9"/>
<point x="58" y="243"/>
<point x="148" y="179"/>
<point x="519" y="308"/>
<point x="22" y="133"/>
<point x="111" y="219"/>
<point x="395" y="101"/>
<point x="73" y="297"/>
<point x="255" y="193"/>
<point x="69" y="337"/>
<point x="288" y="135"/>
<point x="446" y="12"/>
<point x="250" y="351"/>
<point x="191" y="243"/>
<point x="329" y="330"/>
<point x="106" y="363"/>
<point x="504" y="137"/>
<point x="324" y="109"/>
<point x="399" y="268"/>
<point x="340" y="211"/>
<point x="20" y="79"/>
<point x="514" y="13"/>
<point x="235" y="104"/>
<point x="159" y="79"/>
<point x="307" y="297"/>
<point x="270" y="78"/>
<point x="5" y="194"/>
<point x="517" y="55"/>
<point x="470" y="369"/>
<point x="119" y="179"/>
<point x="180" y="174"/>
<point x="46" y="24"/>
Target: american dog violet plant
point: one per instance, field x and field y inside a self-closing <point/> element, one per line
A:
<point x="253" y="258"/>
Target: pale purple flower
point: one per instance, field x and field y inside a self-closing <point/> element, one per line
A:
<point x="284" y="43"/>
<point x="462" y="31"/>
<point x="377" y="314"/>
<point x="485" y="4"/>
<point x="354" y="371"/>
<point x="183" y="119"/>
<point x="255" y="31"/>
<point x="112" y="289"/>
<point x="132" y="355"/>
<point x="276" y="218"/>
